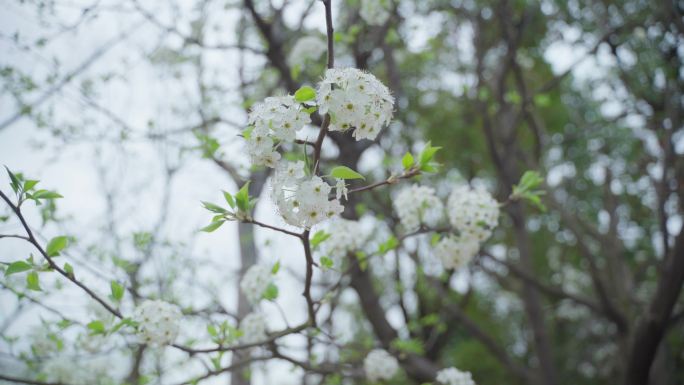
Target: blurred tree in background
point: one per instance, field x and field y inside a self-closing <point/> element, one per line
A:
<point x="580" y="285"/>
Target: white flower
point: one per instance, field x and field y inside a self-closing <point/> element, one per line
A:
<point x="455" y="252"/>
<point x="255" y="282"/>
<point x="355" y="100"/>
<point x="341" y="189"/>
<point x="375" y="12"/>
<point x="453" y="376"/>
<point x="418" y="205"/>
<point x="253" y="327"/>
<point x="159" y="322"/>
<point x="302" y="201"/>
<point x="307" y="48"/>
<point x="276" y="119"/>
<point x="473" y="212"/>
<point x="380" y="365"/>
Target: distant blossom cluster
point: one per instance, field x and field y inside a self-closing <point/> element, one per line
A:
<point x="355" y="100"/>
<point x="159" y="322"/>
<point x="307" y="48"/>
<point x="255" y="282"/>
<point x="453" y="376"/>
<point x="474" y="213"/>
<point x="253" y="327"/>
<point x="302" y="200"/>
<point x="380" y="365"/>
<point x="345" y="237"/>
<point x="418" y="205"/>
<point x="73" y="371"/>
<point x="375" y="12"/>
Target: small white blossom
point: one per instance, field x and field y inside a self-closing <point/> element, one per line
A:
<point x="455" y="252"/>
<point x="355" y="100"/>
<point x="453" y="376"/>
<point x="276" y="119"/>
<point x="380" y="365"/>
<point x="253" y="327"/>
<point x="255" y="282"/>
<point x="375" y="12"/>
<point x="307" y="48"/>
<point x="159" y="322"/>
<point x="302" y="201"/>
<point x="473" y="212"/>
<point x="418" y="205"/>
<point x="341" y="189"/>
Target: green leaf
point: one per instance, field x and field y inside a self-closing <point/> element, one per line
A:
<point x="15" y="183"/>
<point x="407" y="161"/>
<point x="17" y="267"/>
<point x="29" y="184"/>
<point x="271" y="292"/>
<point x="275" y="268"/>
<point x="242" y="198"/>
<point x="408" y="346"/>
<point x="117" y="291"/>
<point x="363" y="260"/>
<point x="304" y="94"/>
<point x="229" y="199"/>
<point x="214" y="208"/>
<point x="69" y="270"/>
<point x="388" y="245"/>
<point x="428" y="153"/>
<point x="319" y="237"/>
<point x="344" y="172"/>
<point x="212" y="226"/>
<point x="45" y="194"/>
<point x="32" y="281"/>
<point x="96" y="327"/>
<point x="327" y="263"/>
<point x="56" y="245"/>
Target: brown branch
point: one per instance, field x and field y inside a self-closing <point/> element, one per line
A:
<point x="51" y="262"/>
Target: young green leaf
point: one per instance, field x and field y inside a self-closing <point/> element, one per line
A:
<point x="30" y="184"/>
<point x="15" y="183"/>
<point x="327" y="263"/>
<point x="407" y="161"/>
<point x="229" y="198"/>
<point x="344" y="172"/>
<point x="304" y="94"/>
<point x="319" y="237"/>
<point x="17" y="267"/>
<point x="56" y="245"/>
<point x="45" y="194"/>
<point x="69" y="269"/>
<point x="428" y="153"/>
<point x="242" y="198"/>
<point x="275" y="268"/>
<point x="271" y="292"/>
<point x="212" y="226"/>
<point x="96" y="327"/>
<point x="117" y="291"/>
<point x="214" y="208"/>
<point x="32" y="281"/>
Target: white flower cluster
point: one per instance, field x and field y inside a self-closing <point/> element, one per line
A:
<point x="375" y="12"/>
<point x="455" y="252"/>
<point x="302" y="201"/>
<point x="380" y="365"/>
<point x="253" y="327"/>
<point x="453" y="376"/>
<point x="473" y="212"/>
<point x="255" y="282"/>
<point x="345" y="237"/>
<point x="355" y="100"/>
<point x="274" y="120"/>
<point x="159" y="322"/>
<point x="307" y="48"/>
<point x="418" y="205"/>
<point x="69" y="370"/>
